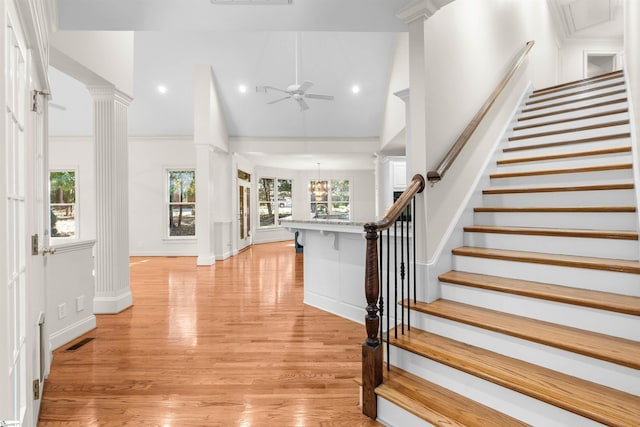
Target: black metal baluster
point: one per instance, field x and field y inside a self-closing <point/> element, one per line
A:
<point x="395" y="281"/>
<point x="381" y="283"/>
<point x="408" y="272"/>
<point x="415" y="267"/>
<point x="402" y="269"/>
<point x="388" y="310"/>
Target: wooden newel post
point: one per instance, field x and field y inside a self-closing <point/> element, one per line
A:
<point x="372" y="347"/>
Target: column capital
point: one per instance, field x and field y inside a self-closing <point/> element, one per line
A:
<point x="420" y="9"/>
<point x="403" y="94"/>
<point x="107" y="93"/>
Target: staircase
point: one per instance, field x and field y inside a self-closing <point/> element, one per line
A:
<point x="539" y="322"/>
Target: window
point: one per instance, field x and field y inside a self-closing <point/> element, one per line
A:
<point x="274" y="200"/>
<point x="62" y="199"/>
<point x="182" y="203"/>
<point x="330" y="199"/>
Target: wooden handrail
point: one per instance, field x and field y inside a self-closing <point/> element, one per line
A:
<point x="437" y="174"/>
<point x="416" y="186"/>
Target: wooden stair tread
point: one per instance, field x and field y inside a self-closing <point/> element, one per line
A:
<point x="572" y="119"/>
<point x="557" y="232"/>
<point x="594" y="401"/>
<point x="573" y="101"/>
<point x="564" y="294"/>
<point x="594" y="187"/>
<point x="612" y="74"/>
<point x="571" y="130"/>
<point x="436" y="404"/>
<point x="596" y="209"/>
<point x="607" y="264"/>
<point x="573" y="110"/>
<point x="578" y="92"/>
<point x="585" y="169"/>
<point x="569" y="142"/>
<point x="616" y="350"/>
<point x="575" y="84"/>
<point x="602" y="152"/>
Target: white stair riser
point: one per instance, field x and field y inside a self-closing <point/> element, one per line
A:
<point x="545" y="101"/>
<point x="567" y="163"/>
<point x="592" y="85"/>
<point x="590" y="369"/>
<point x="523" y="120"/>
<point x="562" y="198"/>
<point x="559" y="179"/>
<point x="570" y="125"/>
<point x="569" y="136"/>
<point x="533" y="110"/>
<point x="583" y="278"/>
<point x="601" y="321"/>
<point x="392" y="415"/>
<point x="527" y="409"/>
<point x="589" y="247"/>
<point x="584" y="220"/>
<point x="567" y="148"/>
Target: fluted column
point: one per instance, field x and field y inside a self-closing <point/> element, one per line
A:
<point x="113" y="292"/>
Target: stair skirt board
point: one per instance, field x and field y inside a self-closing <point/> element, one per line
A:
<point x="509" y="402"/>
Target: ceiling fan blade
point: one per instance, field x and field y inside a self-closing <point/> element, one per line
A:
<point x="267" y="88"/>
<point x="305" y="85"/>
<point x="279" y="99"/>
<point x="303" y="105"/>
<point x="315" y="96"/>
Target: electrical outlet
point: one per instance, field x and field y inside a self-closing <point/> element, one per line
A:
<point x="80" y="303"/>
<point x="62" y="311"/>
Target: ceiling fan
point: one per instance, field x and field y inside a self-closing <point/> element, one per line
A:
<point x="296" y="91"/>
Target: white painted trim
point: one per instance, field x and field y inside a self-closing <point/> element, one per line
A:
<point x="112" y="305"/>
<point x="206" y="260"/>
<point x="71" y="332"/>
<point x="164" y="253"/>
<point x="420" y="9"/>
<point x="224" y="256"/>
<point x="74" y="246"/>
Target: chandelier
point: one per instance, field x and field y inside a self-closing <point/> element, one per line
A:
<point x="319" y="188"/>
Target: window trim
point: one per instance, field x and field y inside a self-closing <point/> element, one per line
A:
<point x="76" y="206"/>
<point x="166" y="235"/>
<point x="276" y="220"/>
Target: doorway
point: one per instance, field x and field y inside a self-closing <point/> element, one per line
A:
<point x="244" y="211"/>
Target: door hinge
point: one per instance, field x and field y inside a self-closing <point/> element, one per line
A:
<point x="36" y="389"/>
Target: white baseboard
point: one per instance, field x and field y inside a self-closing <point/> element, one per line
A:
<point x="112" y="305"/>
<point x="206" y="260"/>
<point x="71" y="332"/>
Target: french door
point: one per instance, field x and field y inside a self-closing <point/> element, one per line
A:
<point x="244" y="214"/>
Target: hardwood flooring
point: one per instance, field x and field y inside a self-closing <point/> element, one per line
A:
<point x="226" y="345"/>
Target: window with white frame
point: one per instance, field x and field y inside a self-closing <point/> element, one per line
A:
<point x="330" y="199"/>
<point x="63" y="204"/>
<point x="181" y="203"/>
<point x="274" y="200"/>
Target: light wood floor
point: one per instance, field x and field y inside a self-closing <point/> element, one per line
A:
<point x="226" y="345"/>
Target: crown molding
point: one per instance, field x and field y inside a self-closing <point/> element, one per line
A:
<point x="420" y="9"/>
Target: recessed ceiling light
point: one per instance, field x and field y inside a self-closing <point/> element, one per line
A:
<point x="242" y="88"/>
<point x="355" y="89"/>
<point x="162" y="89"/>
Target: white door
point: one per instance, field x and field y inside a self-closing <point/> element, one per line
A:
<point x="14" y="380"/>
<point x="244" y="214"/>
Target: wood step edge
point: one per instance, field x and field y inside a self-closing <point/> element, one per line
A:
<point x="616" y="73"/>
<point x="572" y="119"/>
<point x="560" y="189"/>
<point x="591" y="263"/>
<point x="569" y="86"/>
<point x="588" y="153"/>
<point x="436" y="404"/>
<point x="606" y="301"/>
<point x="572" y="130"/>
<point x="557" y="209"/>
<point x="569" y="142"/>
<point x="619" y="351"/>
<point x="573" y="101"/>
<point x="577" y="92"/>
<point x="554" y="232"/>
<point x="573" y="110"/>
<point x="593" y="401"/>
<point x="541" y="172"/>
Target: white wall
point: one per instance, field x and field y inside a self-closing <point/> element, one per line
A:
<point x="468" y="47"/>
<point x="78" y="153"/>
<point x="149" y="158"/>
<point x="394" y="120"/>
<point x="572" y="56"/>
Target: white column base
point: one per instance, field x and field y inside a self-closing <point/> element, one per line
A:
<point x="206" y="260"/>
<point x="112" y="305"/>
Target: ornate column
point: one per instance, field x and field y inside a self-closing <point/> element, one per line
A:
<point x="113" y="292"/>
